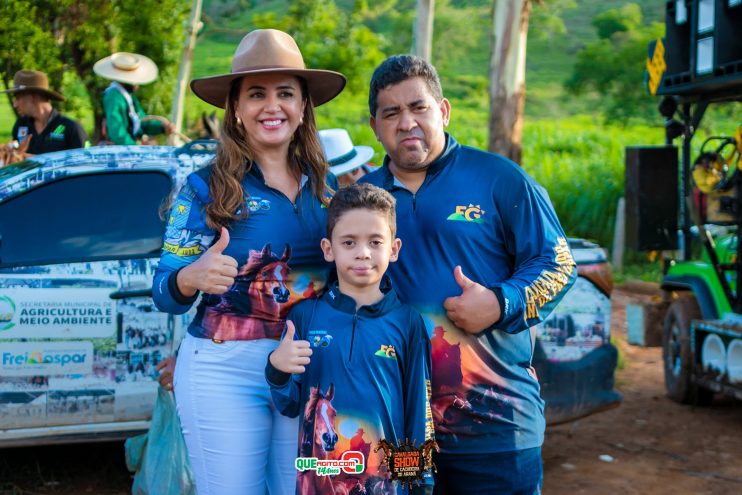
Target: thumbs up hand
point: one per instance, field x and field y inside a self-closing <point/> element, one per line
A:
<point x="291" y="356"/>
<point x="212" y="273"/>
<point x="475" y="309"/>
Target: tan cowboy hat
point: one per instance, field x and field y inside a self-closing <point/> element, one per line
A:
<point x="266" y="51"/>
<point x="127" y="68"/>
<point x="32" y="81"/>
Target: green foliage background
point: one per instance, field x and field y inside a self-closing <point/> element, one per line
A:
<point x="585" y="99"/>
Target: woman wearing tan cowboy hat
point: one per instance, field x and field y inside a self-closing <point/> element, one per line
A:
<point x="245" y="233"/>
<point x="37" y="120"/>
<point x="124" y="115"/>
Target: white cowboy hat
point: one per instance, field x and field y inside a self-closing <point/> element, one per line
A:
<point x="340" y="153"/>
<point x="265" y="51"/>
<point x="127" y="68"/>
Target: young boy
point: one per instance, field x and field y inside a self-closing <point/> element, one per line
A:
<point x="356" y="362"/>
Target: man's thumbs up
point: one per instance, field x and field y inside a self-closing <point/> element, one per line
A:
<point x="475" y="309"/>
<point x="461" y="279"/>
<point x="291" y="356"/>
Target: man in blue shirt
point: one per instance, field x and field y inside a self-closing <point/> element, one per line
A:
<point x="485" y="259"/>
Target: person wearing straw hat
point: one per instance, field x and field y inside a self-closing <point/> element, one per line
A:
<point x="244" y="233"/>
<point x="349" y="163"/>
<point x="37" y="120"/>
<point x="125" y="118"/>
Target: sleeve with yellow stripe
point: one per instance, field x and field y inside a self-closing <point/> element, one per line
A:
<point x="187" y="237"/>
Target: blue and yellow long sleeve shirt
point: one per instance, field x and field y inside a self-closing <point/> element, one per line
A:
<point x="367" y="380"/>
<point x="483" y="212"/>
<point x="277" y="247"/>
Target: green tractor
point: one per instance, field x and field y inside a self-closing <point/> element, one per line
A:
<point x="698" y="63"/>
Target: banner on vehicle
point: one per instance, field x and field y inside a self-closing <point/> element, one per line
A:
<point x="56" y="313"/>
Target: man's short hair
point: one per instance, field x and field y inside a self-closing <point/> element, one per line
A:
<point x="362" y="196"/>
<point x="399" y="68"/>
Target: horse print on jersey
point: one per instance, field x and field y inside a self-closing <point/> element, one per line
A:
<point x="257" y="303"/>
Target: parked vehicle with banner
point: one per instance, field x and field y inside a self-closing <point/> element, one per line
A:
<point x="79" y="334"/>
<point x="80" y="337"/>
<point x="574" y="357"/>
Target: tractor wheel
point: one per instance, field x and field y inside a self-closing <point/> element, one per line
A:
<point x="677" y="354"/>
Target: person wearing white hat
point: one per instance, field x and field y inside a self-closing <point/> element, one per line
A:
<point x="349" y="163"/>
<point x="244" y="231"/>
<point x="124" y="114"/>
<point x="47" y="129"/>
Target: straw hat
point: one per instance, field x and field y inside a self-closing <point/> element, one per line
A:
<point x="32" y="81"/>
<point x="340" y="153"/>
<point x="265" y="51"/>
<point x="128" y="68"/>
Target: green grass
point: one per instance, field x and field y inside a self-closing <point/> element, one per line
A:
<point x="7" y="119"/>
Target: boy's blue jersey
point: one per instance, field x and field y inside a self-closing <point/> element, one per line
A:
<point x="277" y="248"/>
<point x="367" y="380"/>
<point x="483" y="212"/>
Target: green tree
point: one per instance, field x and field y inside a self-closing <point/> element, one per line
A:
<point x="623" y="19"/>
<point x="546" y="18"/>
<point x="64" y="37"/>
<point x="611" y="69"/>
<point x="26" y="44"/>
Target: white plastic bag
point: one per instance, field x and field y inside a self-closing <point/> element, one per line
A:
<point x="159" y="457"/>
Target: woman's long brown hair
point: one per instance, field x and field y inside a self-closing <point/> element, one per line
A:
<point x="235" y="157"/>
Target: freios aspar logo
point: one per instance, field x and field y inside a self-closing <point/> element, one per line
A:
<point x="38" y="357"/>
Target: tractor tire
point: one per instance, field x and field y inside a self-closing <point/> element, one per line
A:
<point x="677" y="354"/>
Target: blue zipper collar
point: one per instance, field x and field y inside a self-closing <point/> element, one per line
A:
<point x="435" y="166"/>
<point x="255" y="171"/>
<point x="347" y="304"/>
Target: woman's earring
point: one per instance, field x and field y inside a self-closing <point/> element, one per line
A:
<point x="301" y="120"/>
<point x="239" y="121"/>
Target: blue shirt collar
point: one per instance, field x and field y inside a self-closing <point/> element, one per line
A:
<point x="258" y="174"/>
<point x="347" y="304"/>
<point x="435" y="166"/>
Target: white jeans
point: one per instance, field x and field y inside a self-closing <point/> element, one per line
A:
<point x="238" y="443"/>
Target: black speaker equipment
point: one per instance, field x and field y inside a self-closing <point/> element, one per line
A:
<point x="651" y="192"/>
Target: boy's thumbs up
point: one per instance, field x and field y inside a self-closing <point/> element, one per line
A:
<point x="290" y="331"/>
<point x="291" y="356"/>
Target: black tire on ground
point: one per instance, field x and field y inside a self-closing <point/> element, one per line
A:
<point x="677" y="354"/>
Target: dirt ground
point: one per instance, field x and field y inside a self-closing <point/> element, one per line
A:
<point x="655" y="446"/>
